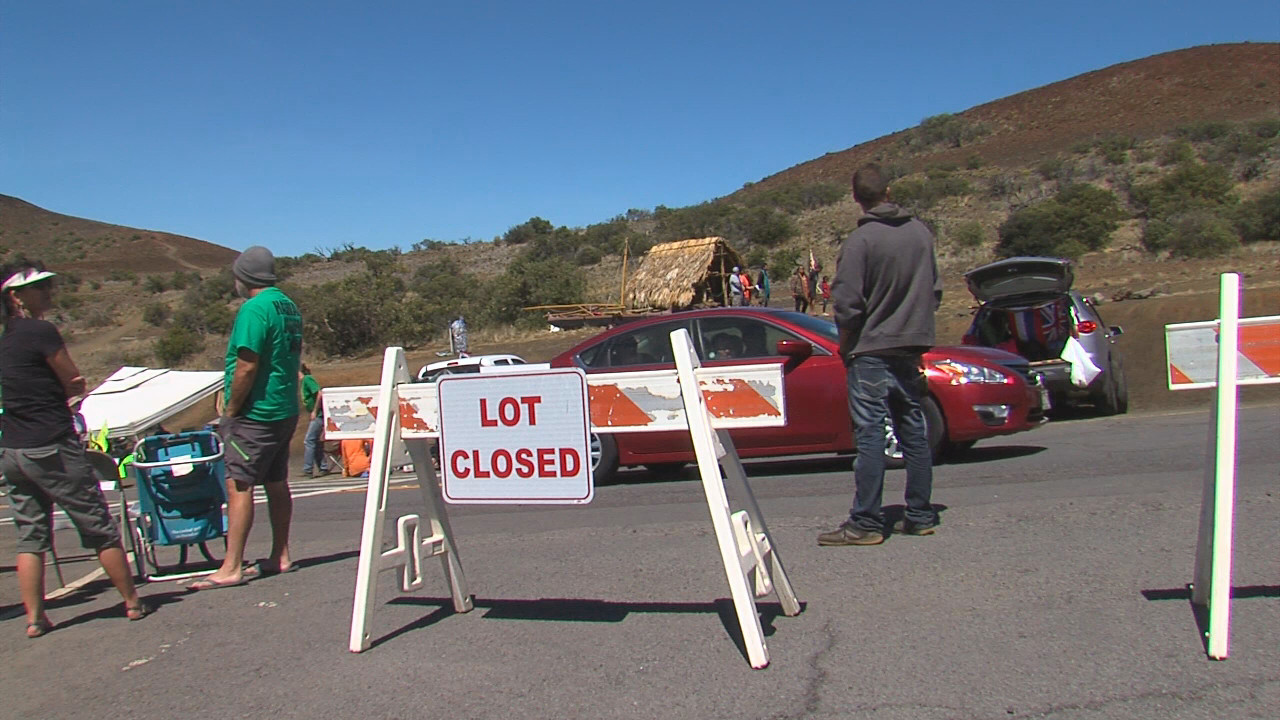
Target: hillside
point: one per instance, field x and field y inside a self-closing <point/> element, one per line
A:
<point x="1142" y="99"/>
<point x="94" y="249"/>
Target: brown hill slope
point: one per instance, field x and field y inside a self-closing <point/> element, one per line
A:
<point x="95" y="249"/>
<point x="1140" y="99"/>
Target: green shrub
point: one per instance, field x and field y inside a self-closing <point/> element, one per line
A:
<point x="155" y="284"/>
<point x="586" y="255"/>
<point x="1177" y="152"/>
<point x="1050" y="168"/>
<point x="1115" y="150"/>
<point x="946" y="129"/>
<point x="178" y="281"/>
<point x="177" y="344"/>
<point x="1190" y="186"/>
<point x="923" y="194"/>
<point x="1205" y="131"/>
<point x="99" y="316"/>
<point x="968" y="234"/>
<point x="1196" y="234"/>
<point x="155" y="313"/>
<point x="1080" y="218"/>
<point x="794" y="199"/>
<point x="1259" y="219"/>
<point x="1266" y="128"/>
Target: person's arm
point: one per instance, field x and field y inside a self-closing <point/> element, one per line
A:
<point x="242" y="381"/>
<point x="315" y="409"/>
<point x="65" y="368"/>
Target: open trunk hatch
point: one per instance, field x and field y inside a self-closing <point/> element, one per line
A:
<point x="1019" y="277"/>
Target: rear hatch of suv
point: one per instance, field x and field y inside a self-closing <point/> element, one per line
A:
<point x="1025" y="308"/>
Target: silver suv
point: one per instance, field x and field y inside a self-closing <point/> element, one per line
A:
<point x="1026" y="306"/>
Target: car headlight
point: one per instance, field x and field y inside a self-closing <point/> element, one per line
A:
<point x="962" y="373"/>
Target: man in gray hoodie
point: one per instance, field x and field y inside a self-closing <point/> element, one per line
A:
<point x="885" y="292"/>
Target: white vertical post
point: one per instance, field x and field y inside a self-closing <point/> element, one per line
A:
<point x="1214" y="544"/>
<point x="1224" y="502"/>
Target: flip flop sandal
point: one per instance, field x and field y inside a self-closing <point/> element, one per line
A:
<point x="137" y="613"/>
<point x="39" y="628"/>
<point x="211" y="584"/>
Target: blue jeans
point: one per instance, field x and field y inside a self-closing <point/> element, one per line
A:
<point x="313" y="446"/>
<point x="880" y="387"/>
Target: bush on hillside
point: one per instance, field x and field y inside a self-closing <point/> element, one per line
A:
<point x="586" y="255"/>
<point x="1266" y="128"/>
<point x="534" y="282"/>
<point x="946" y="129"/>
<point x="1191" y="185"/>
<point x="1259" y="219"/>
<point x="1080" y="218"/>
<point x="155" y="313"/>
<point x="1177" y="152"/>
<point x="177" y="344"/>
<point x="1204" y="131"/>
<point x="155" y="284"/>
<point x="968" y="234"/>
<point x="1198" y="233"/>
<point x="794" y="199"/>
<point x="922" y="194"/>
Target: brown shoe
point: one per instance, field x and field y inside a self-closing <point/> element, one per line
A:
<point x="847" y="534"/>
<point x="906" y="527"/>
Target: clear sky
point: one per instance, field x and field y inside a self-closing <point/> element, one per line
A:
<point x="304" y="125"/>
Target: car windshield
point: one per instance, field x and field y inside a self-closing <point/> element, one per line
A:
<point x="816" y="325"/>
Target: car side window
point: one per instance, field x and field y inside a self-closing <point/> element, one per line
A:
<point x="731" y="338"/>
<point x="642" y="346"/>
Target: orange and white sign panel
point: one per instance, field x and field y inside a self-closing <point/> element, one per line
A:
<point x="738" y="396"/>
<point x="1193" y="353"/>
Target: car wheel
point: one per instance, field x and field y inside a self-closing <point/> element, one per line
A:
<point x="1108" y="401"/>
<point x="1122" y="386"/>
<point x="935" y="432"/>
<point x="604" y="458"/>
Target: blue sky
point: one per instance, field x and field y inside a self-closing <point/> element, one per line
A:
<point x="304" y="125"/>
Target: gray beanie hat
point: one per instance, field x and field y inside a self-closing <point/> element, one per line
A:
<point x="255" y="267"/>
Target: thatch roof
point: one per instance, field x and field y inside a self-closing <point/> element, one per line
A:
<point x="683" y="274"/>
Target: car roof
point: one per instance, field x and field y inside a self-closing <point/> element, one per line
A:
<point x="474" y="360"/>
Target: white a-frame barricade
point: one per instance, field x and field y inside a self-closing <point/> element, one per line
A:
<point x="1221" y="354"/>
<point x="730" y="397"/>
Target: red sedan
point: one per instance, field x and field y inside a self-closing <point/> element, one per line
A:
<point x="974" y="392"/>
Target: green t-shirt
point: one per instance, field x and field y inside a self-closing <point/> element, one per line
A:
<point x="310" y="391"/>
<point x="269" y="325"/>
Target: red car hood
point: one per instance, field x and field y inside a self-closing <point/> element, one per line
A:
<point x="975" y="353"/>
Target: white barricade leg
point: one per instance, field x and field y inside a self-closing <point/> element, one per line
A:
<point x="737" y="477"/>
<point x="1222" y="464"/>
<point x="408" y="553"/>
<point x="705" y="450"/>
<point x="441" y="539"/>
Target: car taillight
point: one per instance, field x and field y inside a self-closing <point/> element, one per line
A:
<point x="1086" y="326"/>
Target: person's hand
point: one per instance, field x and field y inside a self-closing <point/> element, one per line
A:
<point x="76" y="386"/>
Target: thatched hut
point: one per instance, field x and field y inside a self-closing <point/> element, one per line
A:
<point x="683" y="274"/>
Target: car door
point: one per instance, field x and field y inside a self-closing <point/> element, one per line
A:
<point x="816" y="401"/>
<point x="644" y="348"/>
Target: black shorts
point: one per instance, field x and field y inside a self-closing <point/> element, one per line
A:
<point x="256" y="453"/>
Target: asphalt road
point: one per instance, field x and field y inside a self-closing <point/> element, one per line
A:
<point x="1055" y="588"/>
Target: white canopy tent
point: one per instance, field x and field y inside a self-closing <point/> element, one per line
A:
<point x="134" y="400"/>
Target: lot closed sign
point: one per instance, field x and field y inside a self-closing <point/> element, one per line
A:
<point x="515" y="438"/>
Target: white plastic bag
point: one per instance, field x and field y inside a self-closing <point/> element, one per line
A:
<point x="1083" y="371"/>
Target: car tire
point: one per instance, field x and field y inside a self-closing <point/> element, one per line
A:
<point x="1108" y="400"/>
<point x="1122" y="386"/>
<point x="604" y="457"/>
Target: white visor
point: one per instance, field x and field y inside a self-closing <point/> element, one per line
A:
<point x="25" y="278"/>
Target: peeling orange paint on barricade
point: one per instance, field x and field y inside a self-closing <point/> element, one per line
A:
<point x="738" y="400"/>
<point x="368" y="403"/>
<point x="1179" y="377"/>
<point x="409" y="419"/>
<point x="610" y="407"/>
<point x="1259" y="343"/>
<point x="330" y="425"/>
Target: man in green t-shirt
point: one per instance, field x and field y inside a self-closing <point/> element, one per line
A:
<point x="260" y="413"/>
<point x="313" y="443"/>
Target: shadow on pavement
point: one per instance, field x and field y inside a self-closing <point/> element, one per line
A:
<point x="1200" y="612"/>
<point x="990" y="453"/>
<point x="585" y="610"/>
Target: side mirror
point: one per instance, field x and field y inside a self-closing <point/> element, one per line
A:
<point x="1117" y="330"/>
<point x="795" y="349"/>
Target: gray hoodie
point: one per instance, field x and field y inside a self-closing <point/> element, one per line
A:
<point x="886" y="287"/>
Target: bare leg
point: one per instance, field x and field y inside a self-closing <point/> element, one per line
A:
<point x="239" y="522"/>
<point x="116" y="564"/>
<point x="280" y="509"/>
<point x="31" y="585"/>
